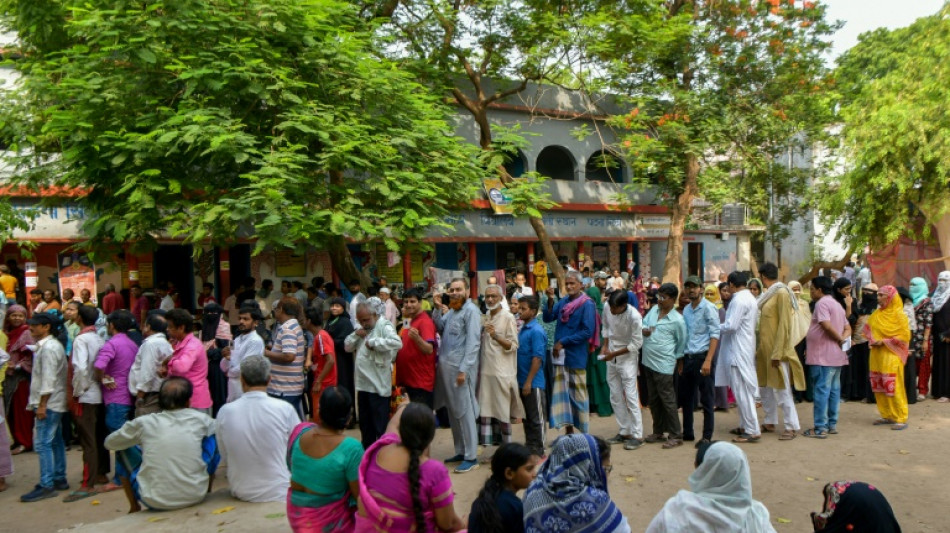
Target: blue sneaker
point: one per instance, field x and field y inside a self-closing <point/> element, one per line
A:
<point x="37" y="494"/>
<point x="466" y="466"/>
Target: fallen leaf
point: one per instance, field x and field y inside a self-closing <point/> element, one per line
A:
<point x="223" y="510"/>
<point x="903" y="452"/>
<point x="95" y="502"/>
<point x="630" y="479"/>
<point x="850" y="454"/>
<point x="275" y="515"/>
<point x="783" y="520"/>
<point x="809" y="478"/>
<point x="157" y="518"/>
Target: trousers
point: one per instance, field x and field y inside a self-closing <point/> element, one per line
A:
<point x="691" y="382"/>
<point x="624" y="396"/>
<point x="663" y="404"/>
<point x="772" y="399"/>
<point x="745" y="402"/>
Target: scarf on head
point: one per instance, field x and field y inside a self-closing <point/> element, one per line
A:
<point x="570" y="492"/>
<point x="942" y="292"/>
<point x="712" y="294"/>
<point x="756" y="280"/>
<point x="918" y="290"/>
<point x="720" y="498"/>
<point x="853" y="506"/>
<point x="889" y="323"/>
<point x="209" y="321"/>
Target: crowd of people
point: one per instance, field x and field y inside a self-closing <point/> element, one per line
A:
<point x="270" y="382"/>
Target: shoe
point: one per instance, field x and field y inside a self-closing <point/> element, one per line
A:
<point x="62" y="484"/>
<point x="654" y="438"/>
<point x="672" y="443"/>
<point x="455" y="459"/>
<point x="466" y="466"/>
<point x="37" y="494"/>
<point x="700" y="442"/>
<point x="618" y="439"/>
<point x="921" y="397"/>
<point x="832" y="431"/>
<point x="632" y="444"/>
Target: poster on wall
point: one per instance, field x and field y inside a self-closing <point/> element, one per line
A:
<point x="290" y="265"/>
<point x="393" y="272"/>
<point x="77" y="272"/>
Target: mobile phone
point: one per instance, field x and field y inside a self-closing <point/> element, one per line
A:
<point x="445" y="299"/>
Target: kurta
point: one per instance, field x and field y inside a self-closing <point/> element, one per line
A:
<point x="597" y="387"/>
<point x="737" y="335"/>
<point x="775" y="344"/>
<point x="458" y="352"/>
<point x="540" y="276"/>
<point x="498" y="393"/>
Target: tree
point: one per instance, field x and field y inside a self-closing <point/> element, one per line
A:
<point x="739" y="84"/>
<point x="462" y="47"/>
<point x="894" y="89"/>
<point x="211" y="120"/>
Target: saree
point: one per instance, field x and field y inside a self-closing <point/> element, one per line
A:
<point x="570" y="492"/>
<point x="853" y="506"/>
<point x="889" y="325"/>
<point x="332" y="517"/>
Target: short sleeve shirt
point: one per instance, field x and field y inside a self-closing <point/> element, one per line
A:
<point x="414" y="368"/>
<point x="288" y="378"/>
<point x="821" y="349"/>
<point x="532" y="342"/>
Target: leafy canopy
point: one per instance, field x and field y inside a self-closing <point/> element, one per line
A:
<point x="210" y="120"/>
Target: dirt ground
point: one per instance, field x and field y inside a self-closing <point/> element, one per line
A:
<point x="910" y="467"/>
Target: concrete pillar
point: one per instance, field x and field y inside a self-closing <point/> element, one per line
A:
<point x="743" y="251"/>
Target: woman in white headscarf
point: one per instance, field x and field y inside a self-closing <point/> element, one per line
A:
<point x="720" y="499"/>
<point x="940" y="336"/>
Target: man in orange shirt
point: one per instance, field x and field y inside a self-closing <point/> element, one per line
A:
<point x="8" y="284"/>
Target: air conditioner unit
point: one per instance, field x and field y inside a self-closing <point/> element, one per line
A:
<point x="734" y="214"/>
<point x="724" y="236"/>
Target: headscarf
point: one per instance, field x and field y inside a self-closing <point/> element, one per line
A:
<point x="570" y="492"/>
<point x="889" y="323"/>
<point x="869" y="300"/>
<point x="340" y="326"/>
<point x="853" y="506"/>
<point x="761" y="285"/>
<point x="641" y="293"/>
<point x="918" y="290"/>
<point x="720" y="500"/>
<point x="941" y="293"/>
<point x="725" y="301"/>
<point x="209" y="321"/>
<point x="16" y="339"/>
<point x="712" y="294"/>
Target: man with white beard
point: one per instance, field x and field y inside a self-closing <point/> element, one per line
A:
<point x="498" y="378"/>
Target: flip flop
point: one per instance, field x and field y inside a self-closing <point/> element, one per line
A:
<point x="788" y="435"/>
<point x="899" y="427"/>
<point x="884" y="422"/>
<point x="747" y="439"/>
<point x="108" y="487"/>
<point x="77" y="495"/>
<point x="18" y="450"/>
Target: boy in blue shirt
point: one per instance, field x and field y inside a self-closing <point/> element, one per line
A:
<point x="532" y="347"/>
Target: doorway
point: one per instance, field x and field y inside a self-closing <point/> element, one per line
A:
<point x="695" y="259"/>
<point x="174" y="264"/>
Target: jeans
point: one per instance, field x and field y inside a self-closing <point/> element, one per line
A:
<point x="50" y="449"/>
<point x="296" y="401"/>
<point x="117" y="415"/>
<point x="827" y="396"/>
<point x="692" y="381"/>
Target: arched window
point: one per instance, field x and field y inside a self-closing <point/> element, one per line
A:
<point x="516" y="163"/>
<point x="605" y="166"/>
<point x="556" y="163"/>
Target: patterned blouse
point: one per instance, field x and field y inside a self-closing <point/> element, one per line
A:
<point x="924" y="312"/>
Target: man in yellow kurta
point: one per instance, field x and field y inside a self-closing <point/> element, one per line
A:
<point x="498" y="398"/>
<point x="776" y="362"/>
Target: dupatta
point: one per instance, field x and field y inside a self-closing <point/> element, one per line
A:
<point x="889" y="324"/>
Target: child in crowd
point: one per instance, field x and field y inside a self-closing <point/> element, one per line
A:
<point x="498" y="508"/>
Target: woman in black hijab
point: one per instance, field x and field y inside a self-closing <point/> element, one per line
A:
<point x="215" y="335"/>
<point x="842" y="294"/>
<point x="339" y="326"/>
<point x="854" y="507"/>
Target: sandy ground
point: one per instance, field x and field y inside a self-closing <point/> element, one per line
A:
<point x="910" y="467"/>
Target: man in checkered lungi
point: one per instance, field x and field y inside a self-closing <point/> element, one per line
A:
<point x="575" y="317"/>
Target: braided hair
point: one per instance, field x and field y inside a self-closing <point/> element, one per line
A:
<point x="484" y="509"/>
<point x="416" y="431"/>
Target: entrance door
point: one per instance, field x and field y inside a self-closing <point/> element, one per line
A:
<point x="695" y="259"/>
<point x="173" y="264"/>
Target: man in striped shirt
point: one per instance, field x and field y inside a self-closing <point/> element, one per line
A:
<point x="287" y="356"/>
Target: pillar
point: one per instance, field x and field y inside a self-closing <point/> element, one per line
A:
<point x="530" y="272"/>
<point x="406" y="269"/>
<point x="224" y="272"/>
<point x="743" y="251"/>
<point x="473" y="267"/>
<point x="629" y="255"/>
<point x="132" y="262"/>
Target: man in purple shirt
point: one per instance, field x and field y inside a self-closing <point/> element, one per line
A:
<point x="828" y="330"/>
<point x="112" y="369"/>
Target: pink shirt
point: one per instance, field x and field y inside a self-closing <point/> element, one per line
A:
<point x="821" y="349"/>
<point x="190" y="362"/>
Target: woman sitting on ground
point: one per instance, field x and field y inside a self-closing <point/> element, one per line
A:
<point x="401" y="488"/>
<point x="570" y="493"/>
<point x="720" y="498"/>
<point x="498" y="508"/>
<point x="324" y="469"/>
<point x="854" y="507"/>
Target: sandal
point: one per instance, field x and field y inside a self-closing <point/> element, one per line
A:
<point x="747" y="438"/>
<point x="815" y="433"/>
<point x="767" y="429"/>
<point x="884" y="422"/>
<point x="672" y="443"/>
<point x="788" y="435"/>
<point x="18" y="450"/>
<point x="899" y="427"/>
<point x="737" y="431"/>
<point x="654" y="438"/>
<point x="77" y="495"/>
<point x="108" y="487"/>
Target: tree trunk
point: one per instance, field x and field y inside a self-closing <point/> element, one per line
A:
<point x="673" y="264"/>
<point x="342" y="261"/>
<point x="942" y="227"/>
<point x="485" y="141"/>
<point x="836" y="265"/>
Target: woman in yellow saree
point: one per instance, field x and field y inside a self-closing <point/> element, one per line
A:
<point x="888" y="334"/>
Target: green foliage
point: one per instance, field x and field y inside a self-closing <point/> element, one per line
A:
<point x="212" y="120"/>
<point x="733" y="83"/>
<point x="894" y="92"/>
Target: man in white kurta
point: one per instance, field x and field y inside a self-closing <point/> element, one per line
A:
<point x="247" y="344"/>
<point x="737" y="367"/>
<point x="623" y="333"/>
<point x="498" y="379"/>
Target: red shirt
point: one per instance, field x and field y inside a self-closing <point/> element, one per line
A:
<point x="112" y="302"/>
<point x="138" y="306"/>
<point x="414" y="368"/>
<point x="322" y="345"/>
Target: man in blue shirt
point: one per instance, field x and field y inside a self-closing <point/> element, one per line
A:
<point x="702" y="326"/>
<point x="532" y="347"/>
<point x="575" y="318"/>
<point x="664" y="341"/>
